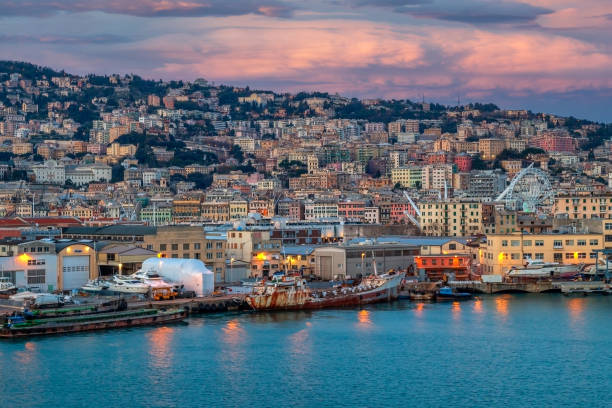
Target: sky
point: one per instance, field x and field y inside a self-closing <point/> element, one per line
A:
<point x="545" y="55"/>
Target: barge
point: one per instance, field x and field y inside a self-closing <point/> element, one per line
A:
<point x="17" y="326"/>
<point x="291" y="293"/>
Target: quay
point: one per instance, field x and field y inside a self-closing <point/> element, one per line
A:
<point x="197" y="305"/>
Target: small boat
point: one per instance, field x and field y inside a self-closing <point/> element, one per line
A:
<point x="96" y="286"/>
<point x="422" y="296"/>
<point x="115" y="305"/>
<point x="7" y="288"/>
<point x="446" y="293"/>
<point x="18" y="326"/>
<point x="130" y="286"/>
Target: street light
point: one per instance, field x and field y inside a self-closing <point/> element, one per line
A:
<point x="362" y="257"/>
<point x="232" y="267"/>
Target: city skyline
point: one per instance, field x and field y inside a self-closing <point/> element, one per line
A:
<point x="545" y="56"/>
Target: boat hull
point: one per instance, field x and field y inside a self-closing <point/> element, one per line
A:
<point x="75" y="327"/>
<point x="303" y="300"/>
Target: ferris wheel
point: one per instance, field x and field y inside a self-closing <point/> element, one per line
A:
<point x="530" y="188"/>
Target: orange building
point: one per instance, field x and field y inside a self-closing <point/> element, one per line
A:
<point x="436" y="266"/>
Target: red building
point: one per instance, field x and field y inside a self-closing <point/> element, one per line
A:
<point x="464" y="163"/>
<point x="351" y="210"/>
<point x="554" y="143"/>
<point x="436" y="266"/>
<point x="437" y="158"/>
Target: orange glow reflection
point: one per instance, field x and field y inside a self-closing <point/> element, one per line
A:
<point x="364" y="318"/>
<point x="478" y="306"/>
<point x="160" y="350"/>
<point x="27" y="355"/>
<point x="419" y="309"/>
<point x="501" y="304"/>
<point x="576" y="308"/>
<point x="233" y="332"/>
<point x="456" y="310"/>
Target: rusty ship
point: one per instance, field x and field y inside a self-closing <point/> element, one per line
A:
<point x="292" y="293"/>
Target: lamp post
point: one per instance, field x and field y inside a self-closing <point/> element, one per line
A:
<point x="232" y="267"/>
<point x="362" y="264"/>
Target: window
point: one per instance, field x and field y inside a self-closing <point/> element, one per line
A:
<point x="452" y="247"/>
<point x="608" y="226"/>
<point x="196" y="255"/>
<point x="527" y="242"/>
<point x="558" y="243"/>
<point x="539" y="243"/>
<point x="196" y="245"/>
<point x="209" y="255"/>
<point x="558" y="256"/>
<point x="209" y="245"/>
<point x="593" y="255"/>
<point x="186" y="255"/>
<point x="36" y="276"/>
<point x="569" y="242"/>
<point x="174" y="255"/>
<point x="162" y="247"/>
<point x="175" y="247"/>
<point x="515" y="243"/>
<point x="526" y="255"/>
<point x="515" y="256"/>
<point x="582" y="255"/>
<point x="504" y="242"/>
<point x="581" y="242"/>
<point x="594" y="242"/>
<point x="219" y="245"/>
<point x="539" y="255"/>
<point x="219" y="255"/>
<point x="185" y="247"/>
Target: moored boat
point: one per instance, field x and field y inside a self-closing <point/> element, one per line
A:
<point x="7" y="287"/>
<point x="18" y="326"/>
<point x="446" y="293"/>
<point x="292" y="293"/>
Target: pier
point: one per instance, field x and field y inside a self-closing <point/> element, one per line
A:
<point x="197" y="305"/>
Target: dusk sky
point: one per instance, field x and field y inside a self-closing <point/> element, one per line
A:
<point x="549" y="55"/>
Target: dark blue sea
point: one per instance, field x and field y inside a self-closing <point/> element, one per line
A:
<point x="499" y="351"/>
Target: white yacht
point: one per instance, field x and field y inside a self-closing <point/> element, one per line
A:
<point x="539" y="268"/>
<point x="122" y="285"/>
<point x="7" y="287"/>
<point x="95" y="286"/>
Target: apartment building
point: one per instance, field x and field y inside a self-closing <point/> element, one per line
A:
<point x="451" y="218"/>
<point x="504" y="251"/>
<point x="583" y="206"/>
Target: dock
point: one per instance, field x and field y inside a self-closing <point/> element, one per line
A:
<point x="197" y="305"/>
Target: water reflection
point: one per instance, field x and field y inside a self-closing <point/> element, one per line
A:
<point x="478" y="306"/>
<point x="501" y="305"/>
<point x="456" y="308"/>
<point x="576" y="308"/>
<point x="26" y="356"/>
<point x="232" y="332"/>
<point x="419" y="309"/>
<point x="160" y="349"/>
<point x="365" y="321"/>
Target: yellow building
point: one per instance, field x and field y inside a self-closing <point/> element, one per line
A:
<point x="490" y="148"/>
<point x="456" y="219"/>
<point x="503" y="251"/>
<point x="407" y="176"/>
<point x="215" y="211"/>
<point x="238" y="209"/>
<point x="584" y="206"/>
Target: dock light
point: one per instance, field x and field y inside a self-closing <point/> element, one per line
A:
<point x="159" y="255"/>
<point x="24" y="257"/>
<point x="500" y="256"/>
<point x="261" y="256"/>
<point x="575" y="255"/>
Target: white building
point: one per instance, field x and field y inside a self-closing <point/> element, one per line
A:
<point x="49" y="172"/>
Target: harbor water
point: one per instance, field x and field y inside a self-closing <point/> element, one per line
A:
<point x="506" y="350"/>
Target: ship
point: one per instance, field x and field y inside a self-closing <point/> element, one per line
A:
<point x="292" y="293"/>
<point x="18" y="326"/>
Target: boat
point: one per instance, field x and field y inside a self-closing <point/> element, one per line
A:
<point x="446" y="293"/>
<point x="7" y="288"/>
<point x="96" y="286"/>
<point x="422" y="296"/>
<point x="540" y="269"/>
<point x="115" y="305"/>
<point x="18" y="326"/>
<point x="129" y="286"/>
<point x="292" y="293"/>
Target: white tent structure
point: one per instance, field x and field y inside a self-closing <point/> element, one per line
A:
<point x="192" y="273"/>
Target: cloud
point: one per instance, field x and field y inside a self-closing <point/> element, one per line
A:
<point x="148" y="8"/>
<point x="477" y="12"/>
<point x="66" y="40"/>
